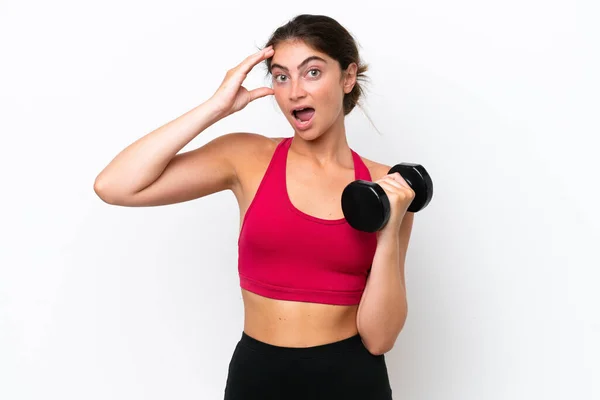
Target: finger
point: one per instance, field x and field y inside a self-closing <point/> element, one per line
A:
<point x="389" y="187"/>
<point x="246" y="66"/>
<point x="392" y="186"/>
<point x="398" y="178"/>
<point x="392" y="182"/>
<point x="397" y="181"/>
<point x="260" y="92"/>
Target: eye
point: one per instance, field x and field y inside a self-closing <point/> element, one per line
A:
<point x="279" y="77"/>
<point x="314" y="73"/>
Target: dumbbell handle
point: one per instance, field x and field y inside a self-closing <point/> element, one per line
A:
<point x="366" y="206"/>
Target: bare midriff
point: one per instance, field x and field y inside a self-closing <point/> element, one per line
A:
<point x="296" y="324"/>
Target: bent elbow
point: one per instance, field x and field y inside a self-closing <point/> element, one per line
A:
<point x="104" y="193"/>
<point x="379" y="350"/>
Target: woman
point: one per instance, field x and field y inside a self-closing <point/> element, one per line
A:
<point x="323" y="302"/>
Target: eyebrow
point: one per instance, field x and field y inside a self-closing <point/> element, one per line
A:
<point x="303" y="63"/>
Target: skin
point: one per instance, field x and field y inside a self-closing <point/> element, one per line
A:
<point x="323" y="152"/>
<point x="153" y="171"/>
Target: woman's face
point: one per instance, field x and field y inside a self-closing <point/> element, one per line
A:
<point x="308" y="87"/>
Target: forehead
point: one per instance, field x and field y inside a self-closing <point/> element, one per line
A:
<point x="291" y="53"/>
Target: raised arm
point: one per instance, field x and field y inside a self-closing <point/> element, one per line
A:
<point x="150" y="171"/>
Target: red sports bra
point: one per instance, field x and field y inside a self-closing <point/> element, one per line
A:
<point x="286" y="254"/>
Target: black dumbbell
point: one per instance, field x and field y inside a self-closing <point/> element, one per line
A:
<point x="366" y="206"/>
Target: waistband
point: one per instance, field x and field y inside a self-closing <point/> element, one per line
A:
<point x="352" y="343"/>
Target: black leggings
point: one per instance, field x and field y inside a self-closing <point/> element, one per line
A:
<point x="342" y="370"/>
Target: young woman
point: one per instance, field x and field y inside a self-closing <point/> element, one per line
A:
<point x="323" y="302"/>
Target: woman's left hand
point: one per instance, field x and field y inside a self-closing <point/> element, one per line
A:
<point x="400" y="195"/>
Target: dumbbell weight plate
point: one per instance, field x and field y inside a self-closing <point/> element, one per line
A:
<point x="365" y="206"/>
<point x="419" y="180"/>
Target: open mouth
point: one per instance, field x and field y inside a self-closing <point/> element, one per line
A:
<point x="304" y="115"/>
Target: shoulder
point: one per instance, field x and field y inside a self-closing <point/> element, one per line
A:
<point x="244" y="140"/>
<point x="254" y="147"/>
<point x="250" y="153"/>
<point x="252" y="139"/>
<point x="376" y="169"/>
<point x="245" y="147"/>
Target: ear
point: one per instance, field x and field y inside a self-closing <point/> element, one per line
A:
<point x="350" y="77"/>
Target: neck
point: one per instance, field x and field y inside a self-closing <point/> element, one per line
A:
<point x="330" y="148"/>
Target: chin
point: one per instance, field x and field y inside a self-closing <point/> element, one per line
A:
<point x="309" y="134"/>
<point x="313" y="133"/>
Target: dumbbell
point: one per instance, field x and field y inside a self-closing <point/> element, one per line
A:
<point x="366" y="206"/>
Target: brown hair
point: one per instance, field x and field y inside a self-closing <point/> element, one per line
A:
<point x="326" y="35"/>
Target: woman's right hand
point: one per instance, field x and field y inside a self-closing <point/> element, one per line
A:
<point x="231" y="96"/>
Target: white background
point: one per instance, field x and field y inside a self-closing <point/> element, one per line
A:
<point x="498" y="100"/>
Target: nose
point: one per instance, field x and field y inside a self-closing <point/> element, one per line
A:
<point x="296" y="90"/>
